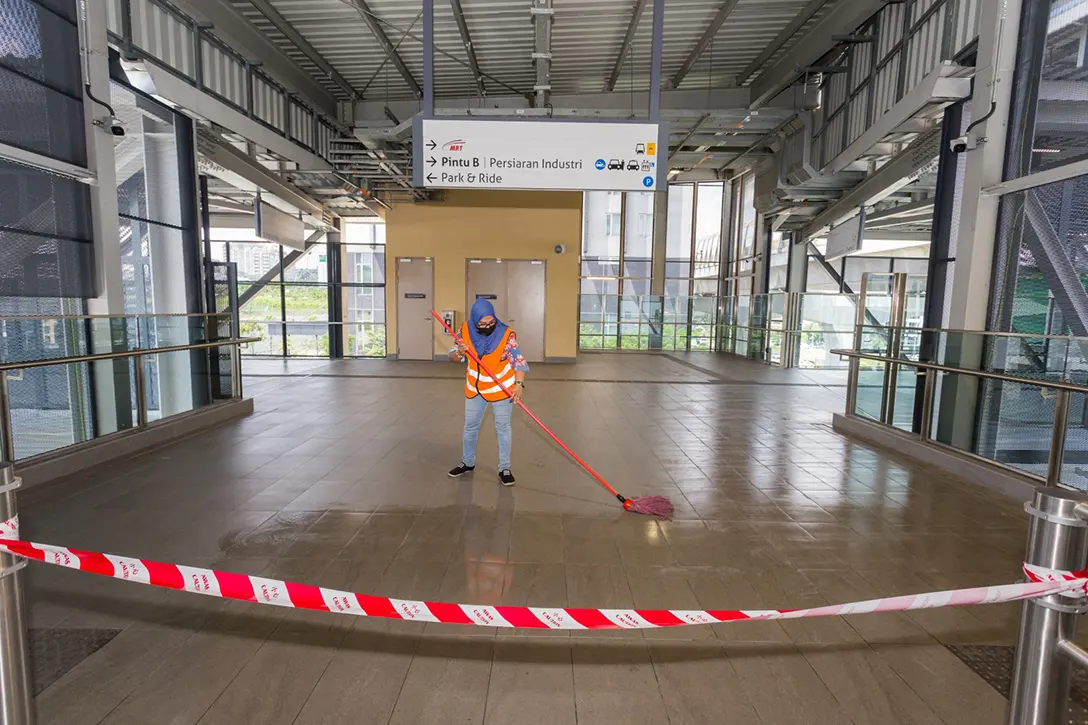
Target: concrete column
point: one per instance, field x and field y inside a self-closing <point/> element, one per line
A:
<point x="798" y="267"/>
<point x="112" y="402"/>
<point x="166" y="250"/>
<point x="997" y="45"/>
<point x="999" y="27"/>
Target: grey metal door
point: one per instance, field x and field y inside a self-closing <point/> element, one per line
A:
<point x="487" y="278"/>
<point x="525" y="297"/>
<point x="415" y="300"/>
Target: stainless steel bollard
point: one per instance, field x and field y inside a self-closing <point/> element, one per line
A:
<point x="1058" y="539"/>
<point x="16" y="701"/>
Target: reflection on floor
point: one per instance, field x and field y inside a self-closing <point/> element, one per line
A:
<point x="339" y="480"/>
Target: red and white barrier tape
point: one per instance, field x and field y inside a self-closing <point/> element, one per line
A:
<point x="303" y="596"/>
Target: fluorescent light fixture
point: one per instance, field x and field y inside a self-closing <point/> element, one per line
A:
<point x="1046" y="151"/>
<point x="673" y="172"/>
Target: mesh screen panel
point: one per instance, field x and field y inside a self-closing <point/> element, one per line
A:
<point x="45" y="235"/>
<point x="39" y="44"/>
<point x="40" y="119"/>
<point x="65" y="8"/>
<point x="40" y="203"/>
<point x="40" y="267"/>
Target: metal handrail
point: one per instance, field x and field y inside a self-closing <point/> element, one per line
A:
<point x="1056" y="385"/>
<point x="1061" y="402"/>
<point x="1040" y="336"/>
<point x="7" y="438"/>
<point x="144" y="315"/>
<point x="138" y="352"/>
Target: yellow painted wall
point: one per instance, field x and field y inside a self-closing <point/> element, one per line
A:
<point x="467" y="225"/>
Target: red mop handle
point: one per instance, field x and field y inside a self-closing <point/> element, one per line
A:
<point x="528" y="412"/>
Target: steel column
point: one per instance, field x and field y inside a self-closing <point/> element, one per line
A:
<point x="16" y="699"/>
<point x="656" y="45"/>
<point x="428" y="58"/>
<point x="1057" y="539"/>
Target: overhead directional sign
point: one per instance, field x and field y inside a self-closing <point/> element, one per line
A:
<point x="560" y="155"/>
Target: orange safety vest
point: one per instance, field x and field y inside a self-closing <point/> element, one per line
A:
<point x="477" y="382"/>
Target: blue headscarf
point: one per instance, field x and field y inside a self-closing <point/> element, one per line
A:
<point x="484" y="344"/>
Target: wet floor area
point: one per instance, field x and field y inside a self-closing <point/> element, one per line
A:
<point x="339" y="480"/>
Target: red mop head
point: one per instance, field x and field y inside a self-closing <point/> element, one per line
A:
<point x="658" y="506"/>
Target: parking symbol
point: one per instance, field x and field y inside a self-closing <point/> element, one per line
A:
<point x="647" y="181"/>
<point x="599" y="164"/>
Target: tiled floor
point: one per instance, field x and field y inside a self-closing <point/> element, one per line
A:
<point x="339" y="480"/>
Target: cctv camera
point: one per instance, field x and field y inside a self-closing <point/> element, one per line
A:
<point x="960" y="144"/>
<point x="560" y="248"/>
<point x="111" y="124"/>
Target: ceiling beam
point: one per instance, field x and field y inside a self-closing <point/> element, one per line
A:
<point x="375" y="24"/>
<point x="231" y="27"/>
<point x="781" y="39"/>
<point x="712" y="30"/>
<point x="473" y="64"/>
<point x="264" y="7"/>
<point x="680" y="144"/>
<point x="845" y="17"/>
<point x="628" y="38"/>
<point x="733" y="101"/>
<point x="227" y="163"/>
<point x="913" y="162"/>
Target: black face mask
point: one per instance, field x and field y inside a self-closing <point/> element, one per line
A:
<point x="485" y="329"/>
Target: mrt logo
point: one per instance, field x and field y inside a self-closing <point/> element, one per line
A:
<point x="456" y="145"/>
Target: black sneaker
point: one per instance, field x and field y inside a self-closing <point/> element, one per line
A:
<point x="461" y="470"/>
<point x="506" y="478"/>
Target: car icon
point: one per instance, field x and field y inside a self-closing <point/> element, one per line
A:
<point x="646" y="166"/>
<point x="615" y="165"/>
<point x="632" y="165"/>
<point x="640" y="148"/>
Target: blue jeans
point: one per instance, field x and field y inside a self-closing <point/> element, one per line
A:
<point x="474" y="415"/>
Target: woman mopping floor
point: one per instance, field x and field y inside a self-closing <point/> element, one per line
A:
<point x="480" y="373"/>
<point x="494" y="344"/>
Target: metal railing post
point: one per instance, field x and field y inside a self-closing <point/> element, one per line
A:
<point x="854" y="369"/>
<point x="928" y="392"/>
<point x="895" y="343"/>
<point x="141" y="390"/>
<point x="236" y="372"/>
<point x="1057" y="539"/>
<point x="1057" y="438"/>
<point x="7" y="428"/>
<point x="16" y="700"/>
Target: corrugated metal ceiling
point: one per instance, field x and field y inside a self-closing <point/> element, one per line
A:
<point x="586" y="40"/>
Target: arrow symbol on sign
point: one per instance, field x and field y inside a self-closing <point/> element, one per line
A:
<point x="431" y="145"/>
<point x="430" y="177"/>
<point x="432" y="161"/>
